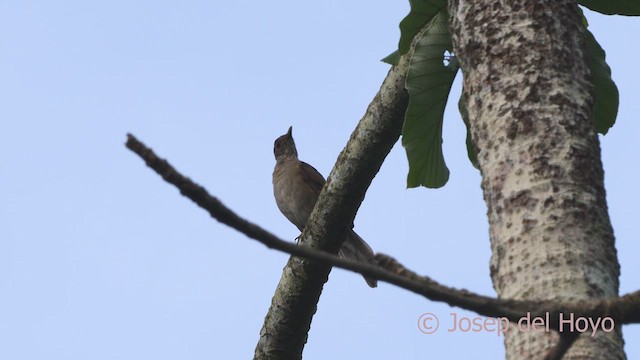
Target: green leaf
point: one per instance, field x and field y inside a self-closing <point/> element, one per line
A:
<point x="471" y="149"/>
<point x="606" y="92"/>
<point x="428" y="83"/>
<point x="613" y="7"/>
<point x="422" y="11"/>
<point x="392" y="59"/>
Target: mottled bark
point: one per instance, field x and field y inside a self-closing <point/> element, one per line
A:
<point x="530" y="102"/>
<point x="287" y="323"/>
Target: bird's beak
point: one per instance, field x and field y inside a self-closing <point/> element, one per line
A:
<point x="289" y="132"/>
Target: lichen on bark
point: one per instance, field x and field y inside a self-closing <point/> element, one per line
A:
<point x="530" y="102"/>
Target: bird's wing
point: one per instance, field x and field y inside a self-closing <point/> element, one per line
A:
<point x="311" y="177"/>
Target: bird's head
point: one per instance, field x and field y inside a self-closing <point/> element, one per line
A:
<point x="284" y="146"/>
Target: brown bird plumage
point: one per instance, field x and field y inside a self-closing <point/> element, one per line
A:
<point x="296" y="186"/>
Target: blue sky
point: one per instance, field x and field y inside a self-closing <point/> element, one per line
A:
<point x="100" y="259"/>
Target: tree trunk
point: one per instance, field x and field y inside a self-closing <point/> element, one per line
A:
<point x="530" y="102"/>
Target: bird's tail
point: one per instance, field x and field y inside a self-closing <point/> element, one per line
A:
<point x="355" y="248"/>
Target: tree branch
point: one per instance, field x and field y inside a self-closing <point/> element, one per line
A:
<point x="624" y="310"/>
<point x="561" y="348"/>
<point x="288" y="320"/>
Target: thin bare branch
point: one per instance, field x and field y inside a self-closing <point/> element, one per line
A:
<point x="623" y="310"/>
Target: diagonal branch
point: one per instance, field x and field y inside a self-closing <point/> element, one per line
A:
<point x="624" y="310"/>
<point x="389" y="271"/>
<point x="288" y="320"/>
<point x="557" y="352"/>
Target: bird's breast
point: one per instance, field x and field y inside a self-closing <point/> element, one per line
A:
<point x="288" y="191"/>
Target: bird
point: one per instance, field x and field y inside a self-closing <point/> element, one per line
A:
<point x="296" y="187"/>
